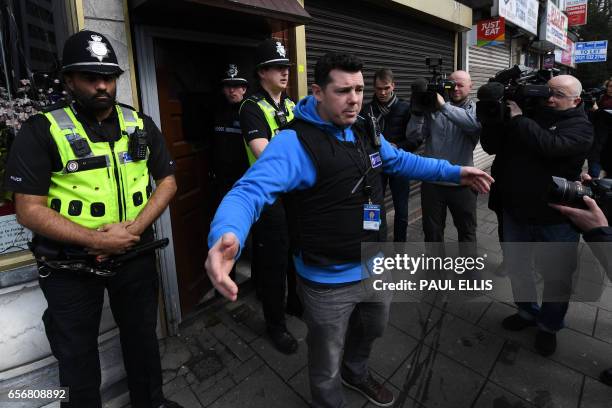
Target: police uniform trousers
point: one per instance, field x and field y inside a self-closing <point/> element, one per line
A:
<point x="270" y="238"/>
<point x="72" y="322"/>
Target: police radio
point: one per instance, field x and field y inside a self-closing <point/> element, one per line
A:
<point x="281" y="118"/>
<point x="137" y="145"/>
<point x="373" y="129"/>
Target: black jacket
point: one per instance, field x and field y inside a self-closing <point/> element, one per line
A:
<point x="393" y="125"/>
<point x="531" y="151"/>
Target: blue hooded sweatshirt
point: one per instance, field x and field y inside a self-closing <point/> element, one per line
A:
<point x="285" y="166"/>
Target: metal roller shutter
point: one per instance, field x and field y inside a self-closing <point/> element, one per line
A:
<point x="483" y="63"/>
<point x="381" y="38"/>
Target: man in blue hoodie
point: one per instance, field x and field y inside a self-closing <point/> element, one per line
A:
<point x="330" y="167"/>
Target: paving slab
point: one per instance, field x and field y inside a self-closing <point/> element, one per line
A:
<point x="536" y="379"/>
<point x="491" y="321"/>
<point x="581" y="317"/>
<point x="494" y="396"/>
<point x="467" y="344"/>
<point x="596" y="395"/>
<point x="262" y="389"/>
<point x="286" y="366"/>
<point x="414" y="317"/>
<point x="582" y="353"/>
<point x="208" y="395"/>
<point x="603" y="326"/>
<point x="186" y="398"/>
<point x="174" y="353"/>
<point x="439" y="381"/>
<point x="390" y="350"/>
<point x="247" y="368"/>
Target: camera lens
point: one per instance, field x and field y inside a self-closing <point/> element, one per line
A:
<point x="568" y="193"/>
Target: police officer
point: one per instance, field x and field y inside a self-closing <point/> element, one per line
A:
<point x="228" y="155"/>
<point x="261" y="116"/>
<point x="81" y="172"/>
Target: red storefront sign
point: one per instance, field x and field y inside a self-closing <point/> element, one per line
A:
<point x="576" y="11"/>
<point x="491" y="32"/>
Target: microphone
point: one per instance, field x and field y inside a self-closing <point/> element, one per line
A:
<point x="491" y="91"/>
<point x="419" y="85"/>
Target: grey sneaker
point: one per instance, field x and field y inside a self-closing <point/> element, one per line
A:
<point x="374" y="391"/>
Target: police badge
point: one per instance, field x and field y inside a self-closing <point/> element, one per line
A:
<point x="232" y="71"/>
<point x="280" y="49"/>
<point x="97" y="48"/>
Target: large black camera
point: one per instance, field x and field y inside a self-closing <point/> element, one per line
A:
<point x="423" y="98"/>
<point x="523" y="85"/>
<point x="571" y="193"/>
<point x="590" y="96"/>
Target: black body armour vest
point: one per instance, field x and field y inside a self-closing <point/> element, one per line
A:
<point x="326" y="220"/>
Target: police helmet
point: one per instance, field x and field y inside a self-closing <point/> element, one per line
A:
<point x="232" y="77"/>
<point x="271" y="52"/>
<point x="88" y="51"/>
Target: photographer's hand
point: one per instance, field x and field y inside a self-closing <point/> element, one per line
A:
<point x="439" y="101"/>
<point x="514" y="109"/>
<point x="587" y="219"/>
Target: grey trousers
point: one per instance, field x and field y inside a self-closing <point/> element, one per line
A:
<point x="349" y="317"/>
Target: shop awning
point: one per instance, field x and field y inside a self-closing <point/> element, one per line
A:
<point x="286" y="10"/>
<point x="238" y="17"/>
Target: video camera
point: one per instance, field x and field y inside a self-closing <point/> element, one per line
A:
<point x="590" y="96"/>
<point x="423" y="98"/>
<point x="523" y="85"/>
<point x="571" y="193"/>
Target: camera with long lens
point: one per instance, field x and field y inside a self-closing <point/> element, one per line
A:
<point x="525" y="86"/>
<point x="571" y="193"/>
<point x="590" y="96"/>
<point x="424" y="92"/>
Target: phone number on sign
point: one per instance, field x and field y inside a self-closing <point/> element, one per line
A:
<point x="47" y="394"/>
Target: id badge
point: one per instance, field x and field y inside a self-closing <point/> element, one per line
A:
<point x="371" y="217"/>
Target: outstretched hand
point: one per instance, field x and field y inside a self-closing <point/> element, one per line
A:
<point x="476" y="179"/>
<point x="587" y="219"/>
<point x="221" y="259"/>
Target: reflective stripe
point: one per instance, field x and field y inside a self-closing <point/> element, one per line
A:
<point x="227" y="129"/>
<point x="130" y="118"/>
<point x="62" y="119"/>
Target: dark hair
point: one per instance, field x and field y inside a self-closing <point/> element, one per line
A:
<point x="383" y="74"/>
<point x="335" y="60"/>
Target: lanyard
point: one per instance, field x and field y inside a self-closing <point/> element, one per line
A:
<point x="367" y="190"/>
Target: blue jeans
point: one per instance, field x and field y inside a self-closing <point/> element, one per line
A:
<point x="347" y="318"/>
<point x="400" y="191"/>
<point x="556" y="263"/>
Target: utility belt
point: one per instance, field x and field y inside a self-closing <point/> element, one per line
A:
<point x="51" y="258"/>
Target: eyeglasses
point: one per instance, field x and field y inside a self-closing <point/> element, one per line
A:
<point x="560" y="95"/>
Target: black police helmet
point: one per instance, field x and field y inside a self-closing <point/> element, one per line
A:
<point x="232" y="77"/>
<point x="271" y="52"/>
<point x="88" y="51"/>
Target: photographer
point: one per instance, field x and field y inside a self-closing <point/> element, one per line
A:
<point x="451" y="133"/>
<point x="392" y="114"/>
<point x="554" y="142"/>
<point x="594" y="225"/>
<point x="600" y="156"/>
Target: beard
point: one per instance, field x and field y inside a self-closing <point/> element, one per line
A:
<point x="92" y="103"/>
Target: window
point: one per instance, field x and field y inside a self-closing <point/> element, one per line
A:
<point x="32" y="33"/>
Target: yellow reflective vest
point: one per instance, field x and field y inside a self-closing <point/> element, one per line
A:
<point x="103" y="187"/>
<point x="269" y="113"/>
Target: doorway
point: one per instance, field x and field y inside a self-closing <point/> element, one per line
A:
<point x="180" y="81"/>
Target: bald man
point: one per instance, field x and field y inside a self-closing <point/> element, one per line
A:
<point x="554" y="141"/>
<point x="450" y="133"/>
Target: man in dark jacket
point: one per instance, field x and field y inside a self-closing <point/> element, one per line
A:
<point x="554" y="142"/>
<point x="594" y="225"/>
<point x="392" y="114"/>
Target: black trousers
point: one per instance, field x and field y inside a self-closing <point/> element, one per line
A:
<point x="461" y="201"/>
<point x="72" y="322"/>
<point x="271" y="259"/>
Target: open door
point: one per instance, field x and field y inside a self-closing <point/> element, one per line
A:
<point x="189" y="210"/>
